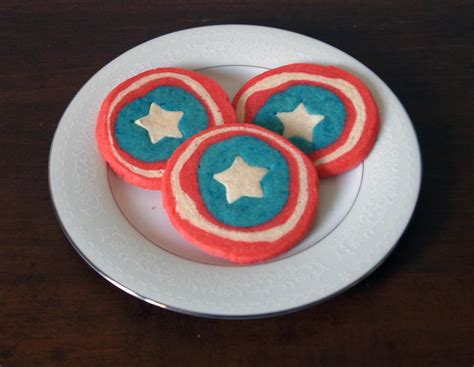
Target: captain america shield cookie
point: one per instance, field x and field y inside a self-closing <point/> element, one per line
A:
<point x="240" y="192"/>
<point x="145" y="118"/>
<point x="324" y="110"/>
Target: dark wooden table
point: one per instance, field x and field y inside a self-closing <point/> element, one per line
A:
<point x="416" y="310"/>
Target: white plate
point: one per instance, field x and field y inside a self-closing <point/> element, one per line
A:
<point x="124" y="234"/>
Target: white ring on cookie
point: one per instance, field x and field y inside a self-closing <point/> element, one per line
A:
<point x="187" y="210"/>
<point x="192" y="83"/>
<point x="348" y="89"/>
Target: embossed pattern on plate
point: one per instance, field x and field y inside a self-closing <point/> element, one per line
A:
<point x="101" y="234"/>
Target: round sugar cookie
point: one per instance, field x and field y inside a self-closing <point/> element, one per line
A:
<point x="240" y="192"/>
<point x="325" y="111"/>
<point x="145" y="118"/>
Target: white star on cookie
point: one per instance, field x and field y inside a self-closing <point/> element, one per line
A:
<point x="299" y="123"/>
<point x="160" y="123"/>
<point x="240" y="179"/>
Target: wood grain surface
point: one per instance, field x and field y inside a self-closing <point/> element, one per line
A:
<point x="415" y="310"/>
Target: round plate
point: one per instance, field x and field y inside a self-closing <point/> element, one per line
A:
<point x="123" y="231"/>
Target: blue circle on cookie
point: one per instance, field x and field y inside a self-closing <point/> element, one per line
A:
<point x="317" y="101"/>
<point x="245" y="211"/>
<point x="135" y="139"/>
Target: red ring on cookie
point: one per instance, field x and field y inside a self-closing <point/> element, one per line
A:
<point x="135" y="171"/>
<point x="370" y="125"/>
<point x="188" y="213"/>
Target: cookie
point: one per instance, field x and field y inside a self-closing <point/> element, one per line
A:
<point x="144" y="119"/>
<point x="240" y="192"/>
<point x="325" y="111"/>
